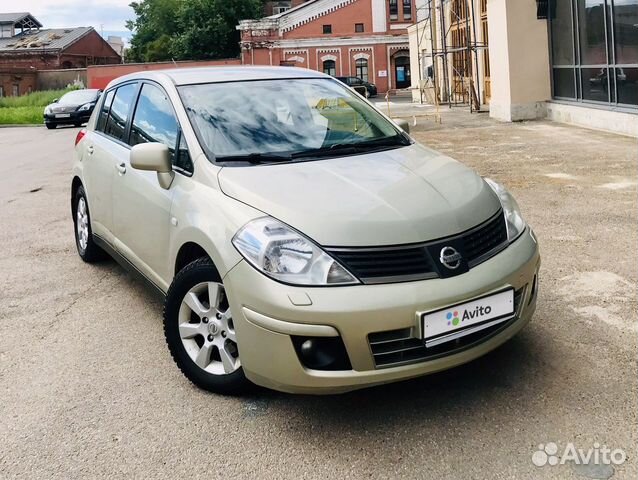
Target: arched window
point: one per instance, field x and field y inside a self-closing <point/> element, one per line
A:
<point x="362" y="69"/>
<point x="330" y="67"/>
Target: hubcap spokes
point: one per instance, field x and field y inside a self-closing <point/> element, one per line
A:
<point x="82" y="224"/>
<point x="206" y="329"/>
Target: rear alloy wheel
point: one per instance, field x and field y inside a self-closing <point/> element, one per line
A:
<point x="87" y="248"/>
<point x="200" y="332"/>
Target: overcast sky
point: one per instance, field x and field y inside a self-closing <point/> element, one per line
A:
<point x="109" y="15"/>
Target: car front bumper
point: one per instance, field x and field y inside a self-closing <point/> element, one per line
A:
<point x="267" y="314"/>
<point x="74" y="117"/>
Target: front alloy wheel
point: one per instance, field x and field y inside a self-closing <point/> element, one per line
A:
<point x="199" y="329"/>
<point x="206" y="329"/>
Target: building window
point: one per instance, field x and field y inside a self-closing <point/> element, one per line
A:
<point x="1" y="91"/>
<point x="394" y="9"/>
<point x="327" y="29"/>
<point x="15" y="90"/>
<point x="330" y="67"/>
<point x="594" y="49"/>
<point x="361" y="66"/>
<point x="6" y="31"/>
<point x="407" y="9"/>
<point x="358" y="28"/>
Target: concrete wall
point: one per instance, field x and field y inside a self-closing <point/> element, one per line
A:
<point x="57" y="79"/>
<point x="591" y="117"/>
<point x="519" y="60"/>
<point x="99" y="76"/>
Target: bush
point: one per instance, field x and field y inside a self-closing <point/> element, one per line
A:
<point x="21" y="115"/>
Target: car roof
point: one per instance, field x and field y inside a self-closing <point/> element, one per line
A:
<point x="195" y="75"/>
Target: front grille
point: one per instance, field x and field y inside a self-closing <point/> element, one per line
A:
<point x="398" y="347"/>
<point x="421" y="261"/>
<point x="482" y="241"/>
<point x="387" y="264"/>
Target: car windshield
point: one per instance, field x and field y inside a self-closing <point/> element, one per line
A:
<point x="284" y="119"/>
<point x="78" y="97"/>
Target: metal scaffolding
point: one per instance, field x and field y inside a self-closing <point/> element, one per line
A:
<point x="452" y="50"/>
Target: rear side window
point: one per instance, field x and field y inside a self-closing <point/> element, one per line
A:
<point x="116" y="123"/>
<point x="104" y="111"/>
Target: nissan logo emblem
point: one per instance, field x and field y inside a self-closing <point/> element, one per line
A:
<point x="450" y="258"/>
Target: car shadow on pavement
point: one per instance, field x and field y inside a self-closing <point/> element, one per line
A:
<point x="513" y="371"/>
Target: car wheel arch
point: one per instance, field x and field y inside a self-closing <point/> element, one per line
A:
<point x="75" y="185"/>
<point x="189" y="252"/>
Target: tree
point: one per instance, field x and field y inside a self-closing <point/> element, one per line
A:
<point x="188" y="29"/>
<point x="155" y="24"/>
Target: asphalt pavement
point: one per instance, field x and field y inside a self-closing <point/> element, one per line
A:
<point x="89" y="390"/>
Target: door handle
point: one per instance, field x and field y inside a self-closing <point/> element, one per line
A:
<point x="89" y="149"/>
<point x="121" y="168"/>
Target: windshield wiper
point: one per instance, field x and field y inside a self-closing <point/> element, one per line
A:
<point x="256" y="158"/>
<point x="350" y="148"/>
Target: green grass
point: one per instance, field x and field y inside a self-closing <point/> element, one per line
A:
<point x="35" y="99"/>
<point x="21" y="115"/>
<point x="27" y="109"/>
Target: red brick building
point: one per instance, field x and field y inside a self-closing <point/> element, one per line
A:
<point x="363" y="38"/>
<point x="26" y="48"/>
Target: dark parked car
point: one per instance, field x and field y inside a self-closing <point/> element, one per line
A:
<point x="371" y="88"/>
<point x="73" y="108"/>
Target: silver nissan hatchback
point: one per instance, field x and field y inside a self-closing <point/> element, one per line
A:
<point x="302" y="240"/>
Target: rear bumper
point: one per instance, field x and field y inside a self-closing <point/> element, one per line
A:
<point x="267" y="313"/>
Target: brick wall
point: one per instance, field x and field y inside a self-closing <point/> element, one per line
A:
<point x="100" y="76"/>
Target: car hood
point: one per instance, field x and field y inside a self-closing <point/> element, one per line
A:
<point x="405" y="195"/>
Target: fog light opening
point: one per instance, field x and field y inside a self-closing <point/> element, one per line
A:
<point x="322" y="353"/>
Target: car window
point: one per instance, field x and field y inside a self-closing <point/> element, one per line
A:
<point x="104" y="111"/>
<point x="78" y="97"/>
<point x="272" y="116"/>
<point x="154" y="119"/>
<point x="182" y="158"/>
<point x="118" y="116"/>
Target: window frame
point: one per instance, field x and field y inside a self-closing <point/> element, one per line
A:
<point x="367" y="69"/>
<point x="577" y="66"/>
<point x="179" y="125"/>
<point x="407" y="12"/>
<point x="393" y="10"/>
<point x="131" y="113"/>
<point x="327" y="29"/>
<point x="334" y="67"/>
<point x="114" y="89"/>
<point x="359" y="28"/>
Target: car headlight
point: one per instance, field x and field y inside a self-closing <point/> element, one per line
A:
<point x="285" y="255"/>
<point x="85" y="107"/>
<point x="513" y="218"/>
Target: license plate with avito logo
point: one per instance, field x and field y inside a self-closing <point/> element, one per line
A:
<point x="456" y="321"/>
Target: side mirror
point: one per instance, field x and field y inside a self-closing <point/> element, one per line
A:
<point x="154" y="157"/>
<point x="403" y="124"/>
<point x="55" y="100"/>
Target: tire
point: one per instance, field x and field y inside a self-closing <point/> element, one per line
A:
<point x="77" y="124"/>
<point x="88" y="250"/>
<point x="202" y="343"/>
<point x="51" y="126"/>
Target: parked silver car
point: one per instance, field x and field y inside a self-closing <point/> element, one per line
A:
<point x="303" y="241"/>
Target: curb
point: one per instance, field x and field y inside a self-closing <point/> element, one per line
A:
<point x="26" y="125"/>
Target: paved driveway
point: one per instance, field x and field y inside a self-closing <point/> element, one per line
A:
<point x="88" y="389"/>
